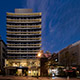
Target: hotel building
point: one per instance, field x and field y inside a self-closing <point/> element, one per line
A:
<point x="23" y="42"/>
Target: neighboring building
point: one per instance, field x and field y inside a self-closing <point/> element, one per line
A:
<point x="2" y="55"/>
<point x="70" y="55"/>
<point x="55" y="57"/>
<point x="43" y="69"/>
<point x="23" y="42"/>
<point x="43" y="63"/>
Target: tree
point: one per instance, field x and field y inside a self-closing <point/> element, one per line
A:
<point x="51" y="63"/>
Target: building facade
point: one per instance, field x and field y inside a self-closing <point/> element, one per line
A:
<point x="23" y="42"/>
<point x="70" y="55"/>
<point x="2" y="56"/>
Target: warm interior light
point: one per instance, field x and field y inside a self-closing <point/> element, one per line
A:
<point x="29" y="71"/>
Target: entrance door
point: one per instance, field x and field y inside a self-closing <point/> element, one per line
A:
<point x="20" y="72"/>
<point x="11" y="71"/>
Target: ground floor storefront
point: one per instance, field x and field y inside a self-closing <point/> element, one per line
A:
<point x="22" y="71"/>
<point x="23" y="67"/>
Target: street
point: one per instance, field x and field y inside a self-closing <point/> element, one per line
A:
<point x="32" y="78"/>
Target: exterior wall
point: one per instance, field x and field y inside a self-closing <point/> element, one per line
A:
<point x="23" y="10"/>
<point x="23" y="38"/>
<point x="44" y="71"/>
<point x="61" y="54"/>
<point x="79" y="55"/>
<point x="74" y="51"/>
<point x="2" y="55"/>
<point x="23" y="34"/>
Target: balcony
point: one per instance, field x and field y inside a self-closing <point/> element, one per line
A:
<point x="23" y="20"/>
<point x="23" y="40"/>
<point x="23" y="44"/>
<point x="19" y="57"/>
<point x="24" y="14"/>
<point x="22" y="53"/>
<point x="24" y="23"/>
<point x="23" y="37"/>
<point x="23" y="26"/>
<point x="23" y="34"/>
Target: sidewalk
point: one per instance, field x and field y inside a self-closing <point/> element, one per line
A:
<point x="33" y="78"/>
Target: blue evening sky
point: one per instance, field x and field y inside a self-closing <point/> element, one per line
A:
<point x="60" y="20"/>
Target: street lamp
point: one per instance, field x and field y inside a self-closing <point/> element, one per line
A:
<point x="39" y="55"/>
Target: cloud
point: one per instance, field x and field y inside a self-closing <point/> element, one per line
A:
<point x="60" y="21"/>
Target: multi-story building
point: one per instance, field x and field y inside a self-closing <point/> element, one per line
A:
<point x="23" y="42"/>
<point x="70" y="55"/>
<point x="2" y="55"/>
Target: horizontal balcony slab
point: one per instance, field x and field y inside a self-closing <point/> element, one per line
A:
<point x="24" y="30"/>
<point x="23" y="20"/>
<point x="23" y="17"/>
<point x="26" y="48"/>
<point x="22" y="52"/>
<point x="13" y="22"/>
<point x="24" y="14"/>
<point x="35" y="38"/>
<point x="9" y="57"/>
<point x="24" y="34"/>
<point x="20" y="37"/>
<point x="31" y="36"/>
<point x="25" y="26"/>
<point x="23" y="46"/>
<point x="24" y="40"/>
<point x="21" y="57"/>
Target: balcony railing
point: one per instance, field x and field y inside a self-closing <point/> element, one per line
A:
<point x="24" y="34"/>
<point x="23" y="20"/>
<point x="22" y="50"/>
<point x="23" y="40"/>
<point x="23" y="25"/>
<point x="22" y="53"/>
<point x="24" y="14"/>
<point x="26" y="37"/>
<point x="24" y="44"/>
<point x="23" y="28"/>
